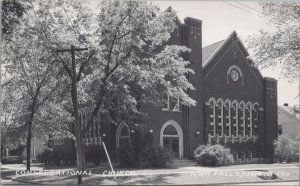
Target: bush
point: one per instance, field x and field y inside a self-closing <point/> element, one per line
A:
<point x="128" y="156"/>
<point x="143" y="153"/>
<point x="286" y="149"/>
<point x="43" y="157"/>
<point x="213" y="155"/>
<point x="54" y="157"/>
<point x="155" y="156"/>
<point x="94" y="154"/>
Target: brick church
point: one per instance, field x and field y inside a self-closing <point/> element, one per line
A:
<point x="236" y="105"/>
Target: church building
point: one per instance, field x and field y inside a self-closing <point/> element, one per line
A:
<point x="236" y="105"/>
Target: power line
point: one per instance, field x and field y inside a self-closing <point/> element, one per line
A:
<point x="250" y="12"/>
<point x="250" y="7"/>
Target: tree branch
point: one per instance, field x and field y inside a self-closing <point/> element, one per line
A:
<point x="83" y="64"/>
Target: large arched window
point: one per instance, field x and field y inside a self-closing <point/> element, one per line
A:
<point x="166" y="101"/>
<point x="235" y="122"/>
<point x="242" y="119"/>
<point x="249" y="120"/>
<point x="212" y="117"/>
<point x="123" y="135"/>
<point x="220" y="107"/>
<point x="255" y="114"/>
<point x="227" y="106"/>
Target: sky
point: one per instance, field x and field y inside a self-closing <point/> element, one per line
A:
<point x="220" y="18"/>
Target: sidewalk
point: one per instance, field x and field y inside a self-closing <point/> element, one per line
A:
<point x="192" y="174"/>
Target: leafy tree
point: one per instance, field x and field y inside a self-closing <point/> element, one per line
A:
<point x="286" y="149"/>
<point x="129" y="61"/>
<point x="12" y="12"/>
<point x="128" y="53"/>
<point x="31" y="84"/>
<point x="280" y="47"/>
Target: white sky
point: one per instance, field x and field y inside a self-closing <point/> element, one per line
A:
<point x="221" y="18"/>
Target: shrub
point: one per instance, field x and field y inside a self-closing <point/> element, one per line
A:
<point x="213" y="155"/>
<point x="94" y="154"/>
<point x="127" y="156"/>
<point x="55" y="156"/>
<point x="286" y="149"/>
<point x="154" y="156"/>
<point x="43" y="157"/>
<point x="143" y="153"/>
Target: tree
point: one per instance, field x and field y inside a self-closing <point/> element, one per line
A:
<point x="32" y="84"/>
<point x="129" y="61"/>
<point x="13" y="10"/>
<point x="280" y="47"/>
<point x="286" y="149"/>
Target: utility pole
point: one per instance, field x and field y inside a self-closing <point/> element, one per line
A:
<point x="0" y="78"/>
<point x="76" y="112"/>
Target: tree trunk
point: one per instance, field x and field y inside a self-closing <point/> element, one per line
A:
<point x="28" y="145"/>
<point x="76" y="117"/>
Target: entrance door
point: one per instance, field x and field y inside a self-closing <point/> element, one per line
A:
<point x="171" y="144"/>
<point x="171" y="139"/>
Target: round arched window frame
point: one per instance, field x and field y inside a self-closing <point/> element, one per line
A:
<point x="234" y="75"/>
<point x="123" y="134"/>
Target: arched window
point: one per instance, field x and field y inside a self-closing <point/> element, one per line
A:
<point x="220" y="107"/>
<point x="227" y="106"/>
<point x="212" y="117"/>
<point x="242" y="118"/>
<point x="234" y="73"/>
<point x="255" y="114"/>
<point x="176" y="103"/>
<point x="123" y="135"/>
<point x="249" y="120"/>
<point x="235" y="129"/>
<point x="166" y="101"/>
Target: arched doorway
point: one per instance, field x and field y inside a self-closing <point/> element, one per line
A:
<point x="122" y="135"/>
<point x="171" y="138"/>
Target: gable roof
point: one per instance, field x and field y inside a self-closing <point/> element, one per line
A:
<point x="288" y="111"/>
<point x="210" y="50"/>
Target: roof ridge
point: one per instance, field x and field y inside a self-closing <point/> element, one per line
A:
<point x="214" y="43"/>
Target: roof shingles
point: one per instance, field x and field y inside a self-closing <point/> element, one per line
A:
<point x="210" y="50"/>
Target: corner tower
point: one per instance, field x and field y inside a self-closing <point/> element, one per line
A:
<point x="193" y="116"/>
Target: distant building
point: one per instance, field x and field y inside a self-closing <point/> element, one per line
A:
<point x="37" y="147"/>
<point x="288" y="121"/>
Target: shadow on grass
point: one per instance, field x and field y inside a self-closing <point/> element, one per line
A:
<point x="5" y="173"/>
<point x="131" y="180"/>
<point x="47" y="179"/>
